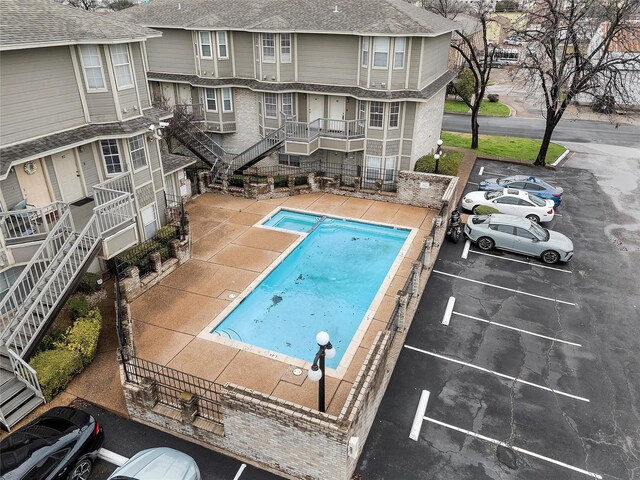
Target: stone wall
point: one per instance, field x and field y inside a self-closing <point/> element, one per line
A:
<point x="246" y="111"/>
<point x="424" y="189"/>
<point x="426" y="128"/>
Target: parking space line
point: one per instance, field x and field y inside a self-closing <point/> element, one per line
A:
<point x="465" y="250"/>
<point x="242" y="467"/>
<point x="508" y="377"/>
<point x="473" y="183"/>
<point x="496" y="174"/>
<point x="481" y="171"/>
<point x="112" y="457"/>
<point x="512" y="447"/>
<point x="519" y="261"/>
<point x="516" y="329"/>
<point x="448" y="311"/>
<point x="420" y="411"/>
<point x="504" y="288"/>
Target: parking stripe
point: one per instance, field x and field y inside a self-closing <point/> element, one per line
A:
<point x="519" y="261"/>
<point x="516" y="329"/>
<point x="448" y="311"/>
<point x="465" y="250"/>
<point x="508" y="377"/>
<point x="481" y="171"/>
<point x="112" y="457"/>
<point x="420" y="411"/>
<point x="504" y="288"/>
<point x="512" y="447"/>
<point x="242" y="467"/>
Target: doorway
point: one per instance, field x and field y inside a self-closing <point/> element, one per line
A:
<point x="68" y="175"/>
<point x="336" y="114"/>
<point x="33" y="183"/>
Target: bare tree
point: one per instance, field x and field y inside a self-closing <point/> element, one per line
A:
<point x="83" y="4"/>
<point x="471" y="43"/>
<point x="579" y="50"/>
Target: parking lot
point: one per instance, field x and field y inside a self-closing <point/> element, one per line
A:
<point x="532" y="371"/>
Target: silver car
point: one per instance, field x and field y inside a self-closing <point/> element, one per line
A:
<point x="519" y="235"/>
<point x="160" y="463"/>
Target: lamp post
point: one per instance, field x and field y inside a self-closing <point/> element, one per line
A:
<point x="436" y="155"/>
<point x="316" y="372"/>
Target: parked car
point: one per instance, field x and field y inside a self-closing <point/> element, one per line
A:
<point x="511" y="202"/>
<point x="519" y="235"/>
<point x="517" y="41"/>
<point x="61" y="443"/>
<point x="534" y="185"/>
<point x="160" y="463"/>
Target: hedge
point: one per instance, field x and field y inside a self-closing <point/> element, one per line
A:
<point x="447" y="165"/>
<point x="83" y="335"/>
<point x="485" y="210"/>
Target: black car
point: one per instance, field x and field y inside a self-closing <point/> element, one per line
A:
<point x="60" y="444"/>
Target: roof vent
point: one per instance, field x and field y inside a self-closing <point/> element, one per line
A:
<point x="179" y="6"/>
<point x="335" y="10"/>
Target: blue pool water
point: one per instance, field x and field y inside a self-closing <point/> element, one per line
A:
<point x="326" y="283"/>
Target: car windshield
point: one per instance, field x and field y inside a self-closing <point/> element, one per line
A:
<point x="539" y="232"/>
<point x="537" y="200"/>
<point x="494" y="194"/>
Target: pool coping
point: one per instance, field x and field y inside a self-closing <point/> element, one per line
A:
<point x="356" y="340"/>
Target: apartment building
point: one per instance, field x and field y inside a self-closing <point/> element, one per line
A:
<point x="352" y="82"/>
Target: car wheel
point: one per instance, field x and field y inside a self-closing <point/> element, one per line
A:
<point x="550" y="256"/>
<point x="81" y="470"/>
<point x="533" y="218"/>
<point x="485" y="243"/>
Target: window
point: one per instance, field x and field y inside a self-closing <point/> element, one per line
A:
<point x="111" y="156"/>
<point x="270" y="105"/>
<point x="398" y="52"/>
<point x="517" y="185"/>
<point x="121" y="66"/>
<point x="521" y="232"/>
<point x="372" y="172"/>
<point x="138" y="155"/>
<point x="285" y="47"/>
<point x="149" y="221"/>
<point x="290" y="160"/>
<point x="380" y="51"/>
<point x="268" y="48"/>
<point x="287" y="104"/>
<point x="534" y="187"/>
<point x="212" y="104"/>
<point x="508" y="229"/>
<point x="92" y="67"/>
<point x="376" y="113"/>
<point x="205" y="45"/>
<point x="223" y="51"/>
<point x="365" y="51"/>
<point x="362" y="110"/>
<point x="390" y="169"/>
<point x="507" y="201"/>
<point x="227" y="104"/>
<point x="394" y="114"/>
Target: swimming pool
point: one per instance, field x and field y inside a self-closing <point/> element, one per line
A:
<point x="327" y="282"/>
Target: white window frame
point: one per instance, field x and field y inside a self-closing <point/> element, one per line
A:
<point x="222" y="42"/>
<point x="271" y="107"/>
<point x="136" y="145"/>
<point x="123" y="67"/>
<point x="110" y="143"/>
<point x="202" y="44"/>
<point x="271" y="57"/>
<point x="370" y="168"/>
<point x="362" y="109"/>
<point x="389" y="167"/>
<point x="380" y="47"/>
<point x="287" y="104"/>
<point x="227" y="97"/>
<point x="207" y="92"/>
<point x="394" y="115"/>
<point x="87" y="52"/>
<point x="364" y="57"/>
<point x="285" y="48"/>
<point x="373" y="110"/>
<point x="399" y="49"/>
<point x="145" y="225"/>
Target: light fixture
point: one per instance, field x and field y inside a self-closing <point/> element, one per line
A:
<point x="316" y="372"/>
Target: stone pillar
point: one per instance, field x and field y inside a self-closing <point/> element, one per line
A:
<point x="271" y="185"/>
<point x="202" y="182"/>
<point x="156" y="262"/>
<point x="148" y="393"/>
<point x="311" y="179"/>
<point x="378" y="184"/>
<point x="357" y="183"/>
<point x="179" y="250"/>
<point x="403" y="299"/>
<point x="291" y="183"/>
<point x="428" y="247"/>
<point x="134" y="274"/>
<point x="225" y="183"/>
<point x="188" y="407"/>
<point x="415" y="286"/>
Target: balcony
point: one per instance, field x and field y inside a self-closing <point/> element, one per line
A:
<point x="303" y="138"/>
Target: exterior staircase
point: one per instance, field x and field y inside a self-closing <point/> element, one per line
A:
<point x="221" y="161"/>
<point x="38" y="294"/>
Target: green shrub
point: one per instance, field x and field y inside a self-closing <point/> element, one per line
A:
<point x="485" y="210"/>
<point x="89" y="283"/>
<point x="55" y="369"/>
<point x="301" y="180"/>
<point x="165" y="234"/>
<point x="280" y="182"/>
<point x="493" y="97"/>
<point x="78" y="306"/>
<point x="82" y="336"/>
<point x="447" y="165"/>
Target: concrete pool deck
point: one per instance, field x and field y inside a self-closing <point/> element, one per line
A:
<point x="228" y="254"/>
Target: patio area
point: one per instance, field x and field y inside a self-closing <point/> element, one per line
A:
<point x="228" y="254"/>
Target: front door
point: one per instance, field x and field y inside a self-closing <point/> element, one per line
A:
<point x="33" y="183"/>
<point x="68" y="174"/>
<point x="316" y="107"/>
<point x="336" y="112"/>
<point x="184" y="96"/>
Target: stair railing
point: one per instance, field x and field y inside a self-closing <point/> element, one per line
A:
<point x="267" y="143"/>
<point x="25" y="373"/>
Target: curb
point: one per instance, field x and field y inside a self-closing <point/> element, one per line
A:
<point x="560" y="159"/>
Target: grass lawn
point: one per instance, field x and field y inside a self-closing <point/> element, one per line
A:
<point x="447" y="165"/>
<point x="508" y="147"/>
<point x="494" y="109"/>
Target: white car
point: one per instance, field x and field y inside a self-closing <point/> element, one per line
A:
<point x="511" y="202"/>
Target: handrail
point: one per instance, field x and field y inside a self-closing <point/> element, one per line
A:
<point x="325" y="127"/>
<point x="27" y="222"/>
<point x="26" y="373"/>
<point x="271" y="140"/>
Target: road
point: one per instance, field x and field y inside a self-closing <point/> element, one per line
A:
<point x="577" y="131"/>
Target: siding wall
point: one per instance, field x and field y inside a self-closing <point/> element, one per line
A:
<point x="89" y="167"/>
<point x="414" y="59"/>
<point x="143" y="87"/>
<point x="11" y="189"/>
<point x="243" y="54"/>
<point x="53" y="178"/>
<point x="435" y="58"/>
<point x="172" y="53"/>
<point x="327" y="59"/>
<point x="39" y="93"/>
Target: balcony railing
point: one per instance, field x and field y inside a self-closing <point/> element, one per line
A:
<point x="25" y="223"/>
<point x="324" y="127"/>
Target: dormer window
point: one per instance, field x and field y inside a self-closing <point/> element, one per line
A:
<point x="205" y="45"/>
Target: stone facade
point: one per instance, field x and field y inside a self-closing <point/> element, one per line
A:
<point x="429" y="130"/>
<point x="246" y="111"/>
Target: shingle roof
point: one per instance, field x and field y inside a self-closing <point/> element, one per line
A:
<point x="357" y="92"/>
<point x="78" y="136"/>
<point x="172" y="163"/>
<point x="40" y="23"/>
<point x="382" y="17"/>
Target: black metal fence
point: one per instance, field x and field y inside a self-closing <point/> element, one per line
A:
<point x="138" y="256"/>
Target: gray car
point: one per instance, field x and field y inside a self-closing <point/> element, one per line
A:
<point x="519" y="235"/>
<point x="160" y="463"/>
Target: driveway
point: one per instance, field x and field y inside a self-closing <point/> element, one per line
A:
<point x="540" y="360"/>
